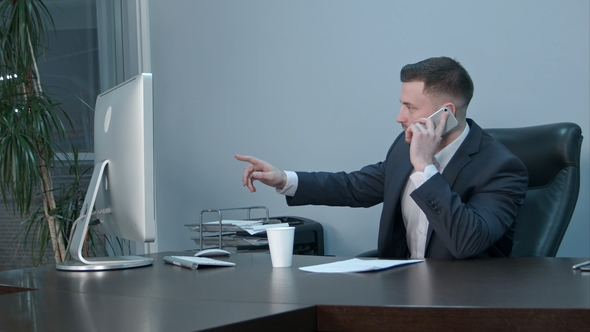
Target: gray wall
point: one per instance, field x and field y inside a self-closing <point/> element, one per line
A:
<point x="313" y="85"/>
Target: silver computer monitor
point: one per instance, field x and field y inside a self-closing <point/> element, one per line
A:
<point x="121" y="191"/>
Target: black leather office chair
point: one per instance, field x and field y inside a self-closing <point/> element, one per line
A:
<point x="551" y="154"/>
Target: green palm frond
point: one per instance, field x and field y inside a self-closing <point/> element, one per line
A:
<point x="26" y="20"/>
<point x="30" y="120"/>
<point x="31" y="124"/>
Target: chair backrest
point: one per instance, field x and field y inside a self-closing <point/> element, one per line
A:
<point x="551" y="154"/>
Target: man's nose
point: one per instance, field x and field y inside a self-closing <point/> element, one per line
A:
<point x="400" y="117"/>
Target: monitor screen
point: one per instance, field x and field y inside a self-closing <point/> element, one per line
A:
<point x="121" y="192"/>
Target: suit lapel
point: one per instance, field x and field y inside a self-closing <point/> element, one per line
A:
<point x="392" y="229"/>
<point x="401" y="174"/>
<point x="463" y="155"/>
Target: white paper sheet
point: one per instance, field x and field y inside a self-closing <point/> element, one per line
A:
<point x="357" y="265"/>
<point x="251" y="226"/>
<point x="255" y="229"/>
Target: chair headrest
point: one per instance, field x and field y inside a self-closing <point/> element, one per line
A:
<point x="544" y="149"/>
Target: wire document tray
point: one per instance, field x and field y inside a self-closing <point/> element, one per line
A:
<point x="249" y="233"/>
<point x="216" y="231"/>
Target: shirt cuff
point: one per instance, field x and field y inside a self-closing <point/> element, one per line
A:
<point x="418" y="178"/>
<point x="291" y="185"/>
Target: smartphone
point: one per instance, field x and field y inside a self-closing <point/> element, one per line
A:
<point x="451" y="120"/>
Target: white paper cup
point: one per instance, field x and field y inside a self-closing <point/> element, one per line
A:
<point x="280" y="242"/>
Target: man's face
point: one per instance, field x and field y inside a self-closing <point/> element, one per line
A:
<point x="415" y="104"/>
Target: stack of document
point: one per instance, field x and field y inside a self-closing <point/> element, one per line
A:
<point x="234" y="233"/>
<point x="251" y="227"/>
<point x="231" y="241"/>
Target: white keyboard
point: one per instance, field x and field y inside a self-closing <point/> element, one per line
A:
<point x="193" y="262"/>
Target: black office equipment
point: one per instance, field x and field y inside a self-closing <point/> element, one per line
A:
<point x="222" y="233"/>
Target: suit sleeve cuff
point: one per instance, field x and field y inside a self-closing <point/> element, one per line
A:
<point x="291" y="185"/>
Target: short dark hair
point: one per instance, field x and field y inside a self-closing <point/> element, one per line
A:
<point x="441" y="75"/>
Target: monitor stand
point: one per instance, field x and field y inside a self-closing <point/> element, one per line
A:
<point x="81" y="263"/>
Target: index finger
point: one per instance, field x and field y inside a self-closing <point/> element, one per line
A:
<point x="442" y="124"/>
<point x="425" y="124"/>
<point x="249" y="159"/>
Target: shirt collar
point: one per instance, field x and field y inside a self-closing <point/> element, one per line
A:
<point x="444" y="156"/>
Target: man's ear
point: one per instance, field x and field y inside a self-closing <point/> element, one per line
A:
<point x="451" y="108"/>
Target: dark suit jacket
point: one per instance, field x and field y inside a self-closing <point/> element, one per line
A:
<point x="471" y="207"/>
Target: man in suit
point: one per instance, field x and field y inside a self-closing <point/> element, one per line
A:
<point x="450" y="196"/>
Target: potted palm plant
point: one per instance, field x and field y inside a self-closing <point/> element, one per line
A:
<point x="31" y="124"/>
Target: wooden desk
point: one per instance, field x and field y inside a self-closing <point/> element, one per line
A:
<point x="501" y="293"/>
